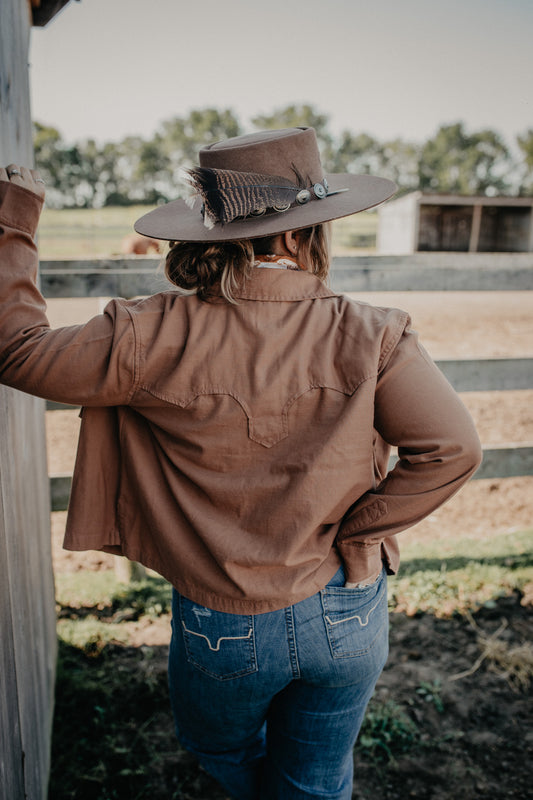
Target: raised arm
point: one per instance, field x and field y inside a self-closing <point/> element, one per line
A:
<point x="90" y="364"/>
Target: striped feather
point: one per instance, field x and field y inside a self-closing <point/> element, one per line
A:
<point x="228" y="194"/>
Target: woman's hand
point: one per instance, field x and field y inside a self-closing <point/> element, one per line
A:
<point x="22" y="176"/>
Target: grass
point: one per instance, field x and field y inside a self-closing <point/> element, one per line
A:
<point x="111" y="724"/>
<point x="113" y="732"/>
<point x="91" y="233"/>
<point x="95" y="608"/>
<point x="460" y="575"/>
<point x="387" y="731"/>
<point x="151" y="596"/>
<point x="85" y="233"/>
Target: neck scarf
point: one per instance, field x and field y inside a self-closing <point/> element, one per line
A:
<point x="277" y="262"/>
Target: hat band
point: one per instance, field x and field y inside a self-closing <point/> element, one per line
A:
<point x="229" y="195"/>
<point x="319" y="191"/>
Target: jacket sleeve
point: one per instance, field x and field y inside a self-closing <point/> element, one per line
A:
<point x="417" y="410"/>
<point x="91" y="364"/>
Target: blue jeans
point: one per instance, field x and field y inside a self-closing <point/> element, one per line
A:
<point x="271" y="704"/>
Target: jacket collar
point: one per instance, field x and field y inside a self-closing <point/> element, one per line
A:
<point x="282" y="285"/>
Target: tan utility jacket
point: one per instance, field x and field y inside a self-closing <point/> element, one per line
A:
<point x="239" y="450"/>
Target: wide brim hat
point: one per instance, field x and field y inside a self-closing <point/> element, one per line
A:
<point x="262" y="184"/>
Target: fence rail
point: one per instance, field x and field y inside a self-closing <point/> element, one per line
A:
<point x="437" y="272"/>
<point x="421" y="271"/>
<point x="505" y="461"/>
<point x="502" y="461"/>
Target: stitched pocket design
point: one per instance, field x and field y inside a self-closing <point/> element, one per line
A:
<point x="354" y="618"/>
<point x="219" y="644"/>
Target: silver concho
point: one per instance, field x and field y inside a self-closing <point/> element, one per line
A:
<point x="258" y="212"/>
<point x="284" y="207"/>
<point x="303" y="197"/>
<point x="319" y="191"/>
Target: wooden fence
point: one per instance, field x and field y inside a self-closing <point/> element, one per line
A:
<point x="436" y="272"/>
<point x="28" y="640"/>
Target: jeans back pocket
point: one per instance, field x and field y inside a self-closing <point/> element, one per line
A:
<point x="355" y="618"/>
<point x="219" y="644"/>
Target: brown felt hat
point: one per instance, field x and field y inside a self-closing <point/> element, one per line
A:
<point x="262" y="184"/>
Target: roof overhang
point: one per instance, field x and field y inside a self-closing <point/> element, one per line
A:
<point x="42" y="11"/>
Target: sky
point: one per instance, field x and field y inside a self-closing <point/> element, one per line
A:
<point x="106" y="69"/>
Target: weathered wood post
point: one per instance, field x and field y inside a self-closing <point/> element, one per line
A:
<point x="27" y="607"/>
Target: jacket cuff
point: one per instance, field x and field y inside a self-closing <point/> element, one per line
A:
<point x="360" y="559"/>
<point x="19" y="208"/>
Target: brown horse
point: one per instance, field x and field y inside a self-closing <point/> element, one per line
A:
<point x="135" y="244"/>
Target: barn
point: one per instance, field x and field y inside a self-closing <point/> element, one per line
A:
<point x="435" y="222"/>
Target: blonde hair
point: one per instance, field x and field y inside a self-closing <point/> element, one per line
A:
<point x="223" y="267"/>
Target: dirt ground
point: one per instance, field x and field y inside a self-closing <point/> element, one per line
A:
<point x="472" y="711"/>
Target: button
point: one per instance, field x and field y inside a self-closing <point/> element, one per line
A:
<point x="303" y="197"/>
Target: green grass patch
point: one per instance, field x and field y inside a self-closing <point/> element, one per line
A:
<point x="87" y="588"/>
<point x="386" y="732"/>
<point x="113" y="734"/>
<point x="504" y="547"/>
<point x="90" y="634"/>
<point x="102" y="590"/>
<point x="354" y="233"/>
<point x="94" y="608"/>
<point x="82" y="233"/>
<point x="86" y="233"/>
<point x="459" y="575"/>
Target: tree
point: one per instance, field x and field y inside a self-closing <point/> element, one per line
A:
<point x="299" y="116"/>
<point x="399" y="163"/>
<point x="457" y="162"/>
<point x="180" y="138"/>
<point x="357" y="153"/>
<point x="58" y="164"/>
<point x="138" y="170"/>
<point x="153" y="171"/>
<point x="525" y="143"/>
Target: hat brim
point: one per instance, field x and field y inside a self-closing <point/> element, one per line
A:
<point x="176" y="221"/>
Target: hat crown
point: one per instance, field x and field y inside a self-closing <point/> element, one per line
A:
<point x="276" y="152"/>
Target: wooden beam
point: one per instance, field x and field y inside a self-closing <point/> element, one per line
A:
<point x="500" y="461"/>
<point x="490" y="374"/>
<point x="505" y="461"/>
<point x="102" y="283"/>
<point x="405" y="277"/>
<point x="465" y="375"/>
<point x="370" y="274"/>
<point x="60" y="485"/>
<point x="28" y="637"/>
<point x="476" y="227"/>
<point x="45" y="10"/>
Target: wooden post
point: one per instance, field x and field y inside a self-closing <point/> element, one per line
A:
<point x="27" y="607"/>
<point x="476" y="227"/>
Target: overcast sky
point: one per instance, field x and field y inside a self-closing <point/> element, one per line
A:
<point x="105" y="69"/>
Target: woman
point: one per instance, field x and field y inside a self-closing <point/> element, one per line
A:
<point x="235" y="438"/>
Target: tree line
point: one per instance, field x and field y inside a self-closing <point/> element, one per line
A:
<point x="148" y="170"/>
